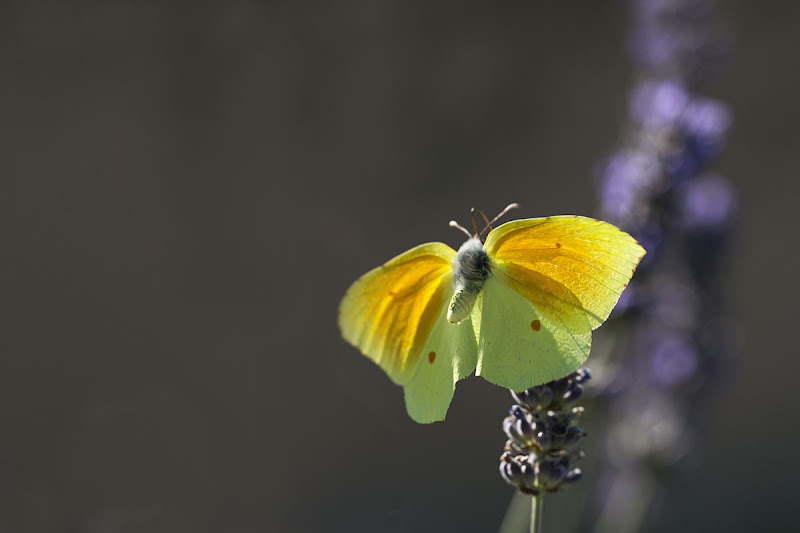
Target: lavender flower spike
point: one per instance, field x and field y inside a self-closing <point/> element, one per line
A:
<point x="540" y="452"/>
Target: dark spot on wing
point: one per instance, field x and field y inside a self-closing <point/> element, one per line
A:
<point x="558" y="245"/>
<point x="432" y="357"/>
<point x="536" y="325"/>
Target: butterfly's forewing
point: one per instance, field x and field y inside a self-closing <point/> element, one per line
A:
<point x="396" y="315"/>
<point x="571" y="271"/>
<point x="592" y="260"/>
<point x="390" y="311"/>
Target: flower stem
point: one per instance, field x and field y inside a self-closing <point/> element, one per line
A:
<point x="536" y="514"/>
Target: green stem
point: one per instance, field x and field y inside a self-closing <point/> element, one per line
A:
<point x="536" y="514"/>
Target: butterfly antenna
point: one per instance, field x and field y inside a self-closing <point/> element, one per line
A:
<point x="454" y="224"/>
<point x="485" y="218"/>
<point x="508" y="208"/>
<point x="472" y="217"/>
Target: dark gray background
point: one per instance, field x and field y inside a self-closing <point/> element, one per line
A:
<point x="188" y="191"/>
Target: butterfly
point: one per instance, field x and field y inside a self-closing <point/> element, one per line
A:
<point x="517" y="309"/>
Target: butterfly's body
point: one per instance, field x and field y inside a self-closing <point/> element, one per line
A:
<point x="517" y="310"/>
<point x="471" y="268"/>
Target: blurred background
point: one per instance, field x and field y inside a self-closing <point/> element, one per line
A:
<point x="188" y="190"/>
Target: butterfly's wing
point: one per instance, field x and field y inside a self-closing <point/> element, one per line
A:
<point x="396" y="315"/>
<point x="553" y="281"/>
<point x="450" y="353"/>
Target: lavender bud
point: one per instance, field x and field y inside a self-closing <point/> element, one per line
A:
<point x="528" y="398"/>
<point x="582" y="375"/>
<point x="573" y="395"/>
<point x="552" y="472"/>
<point x="517" y="412"/>
<point x="573" y="476"/>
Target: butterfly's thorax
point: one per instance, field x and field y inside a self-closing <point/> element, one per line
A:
<point x="471" y="268"/>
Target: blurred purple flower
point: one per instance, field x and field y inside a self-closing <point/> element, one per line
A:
<point x="707" y="204"/>
<point x="658" y="104"/>
<point x="657" y="186"/>
<point x="625" y="176"/>
<point x="677" y="38"/>
<point x="706" y="122"/>
<point x="674" y="360"/>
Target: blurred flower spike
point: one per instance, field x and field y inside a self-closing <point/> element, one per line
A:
<point x="669" y="342"/>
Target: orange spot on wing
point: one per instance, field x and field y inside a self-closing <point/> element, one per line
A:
<point x="432" y="357"/>
<point x="536" y="325"/>
<point x="392" y="293"/>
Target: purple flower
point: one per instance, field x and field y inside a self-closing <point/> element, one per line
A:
<point x="673" y="360"/>
<point x="626" y="178"/>
<point x="658" y="104"/>
<point x="705" y="122"/>
<point x="658" y="187"/>
<point x="707" y="204"/>
<point x="539" y="454"/>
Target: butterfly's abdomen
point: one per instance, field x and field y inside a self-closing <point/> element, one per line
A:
<point x="471" y="268"/>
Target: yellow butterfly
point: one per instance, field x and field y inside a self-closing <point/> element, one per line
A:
<point x="518" y="309"/>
